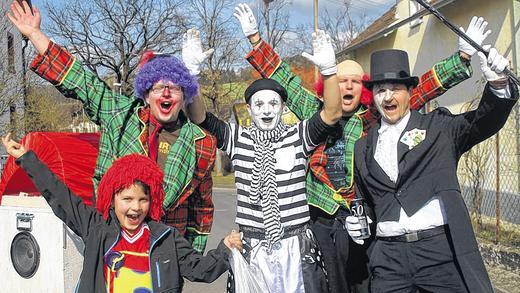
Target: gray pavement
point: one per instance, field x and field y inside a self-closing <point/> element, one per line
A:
<point x="224" y="220"/>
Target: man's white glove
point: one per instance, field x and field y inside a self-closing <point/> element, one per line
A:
<point x="192" y="53"/>
<point x="477" y="32"/>
<point x="324" y="56"/>
<point x="247" y="20"/>
<point x="493" y="65"/>
<point x="354" y="228"/>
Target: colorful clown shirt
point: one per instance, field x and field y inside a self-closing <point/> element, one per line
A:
<point x="127" y="266"/>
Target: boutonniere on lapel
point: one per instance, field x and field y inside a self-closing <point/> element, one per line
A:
<point x="413" y="137"/>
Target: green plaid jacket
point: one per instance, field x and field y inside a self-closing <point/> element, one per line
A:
<point x="304" y="103"/>
<point x="124" y="130"/>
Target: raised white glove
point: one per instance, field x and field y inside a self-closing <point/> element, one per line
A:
<point x="477" y="32"/>
<point x="192" y="53"/>
<point x="493" y="65"/>
<point x="354" y="228"/>
<point x="324" y="56"/>
<point x="247" y="20"/>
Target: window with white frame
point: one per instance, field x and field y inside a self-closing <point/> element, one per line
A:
<point x="414" y="8"/>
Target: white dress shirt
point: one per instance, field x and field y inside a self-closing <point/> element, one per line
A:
<point x="431" y="214"/>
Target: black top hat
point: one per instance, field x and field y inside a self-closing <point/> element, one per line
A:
<point x="390" y="66"/>
<point x="265" y="84"/>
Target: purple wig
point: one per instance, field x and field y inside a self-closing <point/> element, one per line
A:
<point x="166" y="68"/>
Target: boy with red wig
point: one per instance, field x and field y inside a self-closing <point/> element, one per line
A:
<point x="127" y="249"/>
<point x="330" y="182"/>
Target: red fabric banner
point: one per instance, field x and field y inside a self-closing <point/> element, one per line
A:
<point x="71" y="156"/>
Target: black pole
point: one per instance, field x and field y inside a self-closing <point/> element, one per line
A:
<point x="461" y="34"/>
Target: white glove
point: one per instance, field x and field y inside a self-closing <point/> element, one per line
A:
<point x="324" y="56"/>
<point x="353" y="228"/>
<point x="493" y="66"/>
<point x="192" y="54"/>
<point x="246" y="18"/>
<point x="477" y="32"/>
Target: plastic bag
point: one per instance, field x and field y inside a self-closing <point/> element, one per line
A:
<point x="247" y="280"/>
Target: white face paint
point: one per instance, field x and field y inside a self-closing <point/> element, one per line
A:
<point x="392" y="101"/>
<point x="266" y="109"/>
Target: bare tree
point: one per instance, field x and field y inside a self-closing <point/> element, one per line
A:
<point x="218" y="31"/>
<point x="110" y="35"/>
<point x="274" y="21"/>
<point x="343" y="25"/>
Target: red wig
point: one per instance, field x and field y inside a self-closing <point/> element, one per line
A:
<point x="366" y="95"/>
<point x="123" y="173"/>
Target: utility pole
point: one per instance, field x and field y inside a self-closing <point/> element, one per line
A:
<point x="316" y="72"/>
<point x="267" y="22"/>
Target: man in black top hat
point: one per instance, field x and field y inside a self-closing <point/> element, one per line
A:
<point x="406" y="169"/>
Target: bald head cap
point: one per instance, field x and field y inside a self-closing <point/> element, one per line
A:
<point x="350" y="67"/>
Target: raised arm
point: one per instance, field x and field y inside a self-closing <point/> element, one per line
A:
<point x="65" y="205"/>
<point x="193" y="56"/>
<point x="498" y="99"/>
<point x="302" y="102"/>
<point x="59" y="67"/>
<point x="325" y="59"/>
<point x="28" y="20"/>
<point x="451" y="71"/>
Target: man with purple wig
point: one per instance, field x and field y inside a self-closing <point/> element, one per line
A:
<point x="151" y="123"/>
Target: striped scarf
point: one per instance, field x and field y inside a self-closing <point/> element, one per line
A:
<point x="264" y="189"/>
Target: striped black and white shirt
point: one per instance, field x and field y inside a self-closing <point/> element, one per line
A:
<point x="291" y="153"/>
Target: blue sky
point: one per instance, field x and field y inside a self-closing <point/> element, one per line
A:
<point x="302" y="10"/>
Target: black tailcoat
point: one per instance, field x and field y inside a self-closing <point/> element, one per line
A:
<point x="430" y="169"/>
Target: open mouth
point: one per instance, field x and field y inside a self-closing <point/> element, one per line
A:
<point x="166" y="105"/>
<point x="267" y="120"/>
<point x="348" y="97"/>
<point x="390" y="108"/>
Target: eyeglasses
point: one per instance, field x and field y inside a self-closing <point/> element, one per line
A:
<point x="159" y="89"/>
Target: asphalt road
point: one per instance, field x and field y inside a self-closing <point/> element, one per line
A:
<point x="224" y="220"/>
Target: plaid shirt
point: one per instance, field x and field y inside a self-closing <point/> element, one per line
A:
<point x="124" y="122"/>
<point x="320" y="191"/>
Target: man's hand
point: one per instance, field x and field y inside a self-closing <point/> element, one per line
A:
<point x="12" y="147"/>
<point x="233" y="240"/>
<point x="324" y="56"/>
<point x="354" y="228"/>
<point x="477" y="32"/>
<point x="493" y="66"/>
<point x="192" y="53"/>
<point x="247" y="19"/>
<point x="25" y="19"/>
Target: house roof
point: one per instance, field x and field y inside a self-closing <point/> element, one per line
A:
<point x="379" y="24"/>
<point x="386" y="24"/>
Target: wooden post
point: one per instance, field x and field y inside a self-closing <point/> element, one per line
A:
<point x="316" y="71"/>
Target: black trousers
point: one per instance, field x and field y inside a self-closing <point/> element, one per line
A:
<point x="426" y="265"/>
<point x="345" y="261"/>
<point x="332" y="238"/>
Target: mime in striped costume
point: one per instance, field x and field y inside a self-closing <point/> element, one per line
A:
<point x="270" y="161"/>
